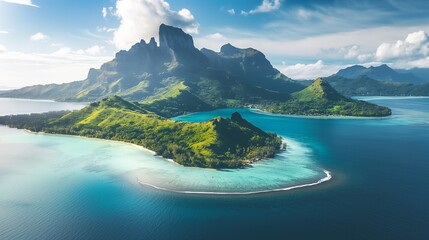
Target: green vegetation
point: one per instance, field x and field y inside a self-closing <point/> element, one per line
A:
<point x="35" y="122"/>
<point x="175" y="78"/>
<point x="177" y="101"/>
<point x="366" y="86"/>
<point x="218" y="143"/>
<point x="321" y="99"/>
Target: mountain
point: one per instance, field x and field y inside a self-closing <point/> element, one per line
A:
<point x="147" y="70"/>
<point x="421" y="73"/>
<point x="217" y="143"/>
<point x="252" y="65"/>
<point x="366" y="86"/>
<point x="381" y="73"/>
<point x="321" y="99"/>
<point x="175" y="78"/>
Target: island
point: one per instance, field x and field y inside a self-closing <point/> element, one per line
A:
<point x="134" y="96"/>
<point x="174" y="78"/>
<point x="217" y="143"/>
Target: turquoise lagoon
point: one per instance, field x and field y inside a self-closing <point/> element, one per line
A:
<point x="63" y="187"/>
<point x="85" y="157"/>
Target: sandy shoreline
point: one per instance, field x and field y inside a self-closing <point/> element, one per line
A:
<point x="98" y="139"/>
<point x="262" y="112"/>
<point x="326" y="178"/>
<point x="322" y="180"/>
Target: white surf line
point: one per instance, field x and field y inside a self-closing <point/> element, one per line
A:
<point x="322" y="180"/>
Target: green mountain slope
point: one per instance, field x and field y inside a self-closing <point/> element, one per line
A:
<point x="177" y="101"/>
<point x="146" y="70"/>
<point x="321" y="99"/>
<point x="366" y="86"/>
<point x="382" y="73"/>
<point x="217" y="143"/>
<point x="176" y="78"/>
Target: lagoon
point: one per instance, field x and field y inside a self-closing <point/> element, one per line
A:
<point x="68" y="187"/>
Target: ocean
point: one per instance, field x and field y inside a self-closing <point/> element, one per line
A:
<point x="62" y="187"/>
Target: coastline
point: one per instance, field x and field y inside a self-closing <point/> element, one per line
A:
<point x="372" y="98"/>
<point x="320" y="181"/>
<point x="97" y="139"/>
<point x="262" y="112"/>
<point x="130" y="144"/>
<point x="325" y="178"/>
<point x="42" y="100"/>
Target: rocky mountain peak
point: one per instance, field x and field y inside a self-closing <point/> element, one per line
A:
<point x="152" y="43"/>
<point x="228" y="49"/>
<point x="174" y="38"/>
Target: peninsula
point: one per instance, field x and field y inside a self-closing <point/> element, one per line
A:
<point x="217" y="143"/>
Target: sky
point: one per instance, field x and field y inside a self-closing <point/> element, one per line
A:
<point x="56" y="41"/>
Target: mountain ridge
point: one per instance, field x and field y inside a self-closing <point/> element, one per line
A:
<point x="233" y="77"/>
<point x="381" y="73"/>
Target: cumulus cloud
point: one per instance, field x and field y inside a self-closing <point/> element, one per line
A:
<point x="140" y="19"/>
<point x="309" y="71"/>
<point x="231" y="11"/>
<point x="415" y="46"/>
<point x="266" y="6"/>
<point x="39" y="37"/>
<point x="22" y="2"/>
<point x="4" y="32"/>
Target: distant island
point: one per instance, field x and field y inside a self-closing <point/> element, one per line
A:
<point x="175" y="78"/>
<point x="217" y="143"/>
<point x="378" y="81"/>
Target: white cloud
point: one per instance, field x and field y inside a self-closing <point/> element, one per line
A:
<point x="94" y="50"/>
<point x="216" y="36"/>
<point x="266" y="6"/>
<point x="63" y="65"/>
<point x="105" y="29"/>
<point x="39" y="37"/>
<point x="4" y="32"/>
<point x="231" y="11"/>
<point x="415" y="46"/>
<point x="104" y="12"/>
<point x="67" y="52"/>
<point x="353" y="52"/>
<point x="140" y="19"/>
<point x="309" y="71"/>
<point x="2" y="48"/>
<point x="311" y="47"/>
<point x="303" y="14"/>
<point x="22" y="2"/>
<point x="419" y="63"/>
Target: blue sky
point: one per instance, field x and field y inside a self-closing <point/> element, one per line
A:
<point x="54" y="41"/>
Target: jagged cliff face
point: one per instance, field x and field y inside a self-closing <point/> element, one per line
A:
<point x="175" y="38"/>
<point x="251" y="65"/>
<point x="147" y="70"/>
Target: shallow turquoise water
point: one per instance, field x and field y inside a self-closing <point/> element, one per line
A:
<point x="86" y="157"/>
<point x="59" y="187"/>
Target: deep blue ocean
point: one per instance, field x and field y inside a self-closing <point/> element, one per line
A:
<point x="55" y="187"/>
